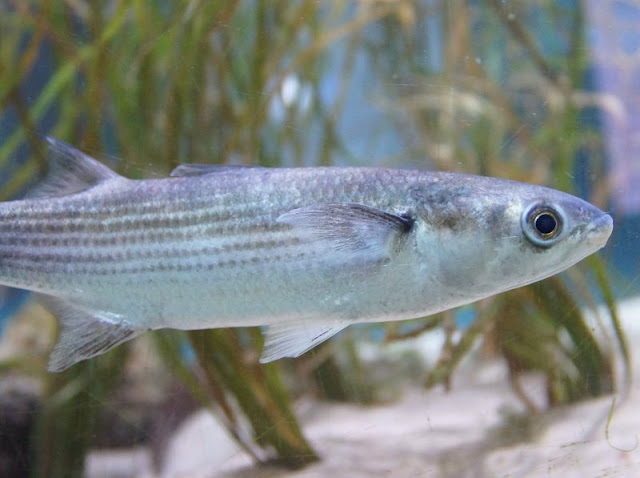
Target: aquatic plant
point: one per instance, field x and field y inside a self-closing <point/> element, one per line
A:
<point x="460" y="86"/>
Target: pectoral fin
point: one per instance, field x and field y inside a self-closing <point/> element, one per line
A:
<point x="84" y="334"/>
<point x="292" y="339"/>
<point x="359" y="230"/>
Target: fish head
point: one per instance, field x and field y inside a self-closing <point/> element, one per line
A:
<point x="553" y="231"/>
<point x="495" y="235"/>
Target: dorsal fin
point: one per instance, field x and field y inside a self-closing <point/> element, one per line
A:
<point x="196" y="169"/>
<point x="70" y="171"/>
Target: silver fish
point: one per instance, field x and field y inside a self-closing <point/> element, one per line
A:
<point x="304" y="252"/>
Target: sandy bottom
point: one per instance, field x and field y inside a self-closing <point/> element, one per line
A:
<point x="476" y="430"/>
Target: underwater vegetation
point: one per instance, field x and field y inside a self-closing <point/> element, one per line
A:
<point x="488" y="87"/>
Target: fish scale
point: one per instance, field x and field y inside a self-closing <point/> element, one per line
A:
<point x="151" y="247"/>
<point x="304" y="252"/>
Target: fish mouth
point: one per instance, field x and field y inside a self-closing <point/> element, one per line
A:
<point x="600" y="230"/>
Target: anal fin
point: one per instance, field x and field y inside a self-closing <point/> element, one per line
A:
<point x="84" y="334"/>
<point x="292" y="339"/>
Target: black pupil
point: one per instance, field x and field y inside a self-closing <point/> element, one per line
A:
<point x="545" y="223"/>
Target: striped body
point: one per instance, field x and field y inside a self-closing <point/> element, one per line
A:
<point x="201" y="252"/>
<point x="310" y="248"/>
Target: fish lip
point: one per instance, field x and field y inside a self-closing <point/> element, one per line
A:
<point x="600" y="229"/>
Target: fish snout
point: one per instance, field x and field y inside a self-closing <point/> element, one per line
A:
<point x="600" y="229"/>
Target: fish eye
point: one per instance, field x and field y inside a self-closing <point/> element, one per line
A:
<point x="546" y="224"/>
<point x="542" y="224"/>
